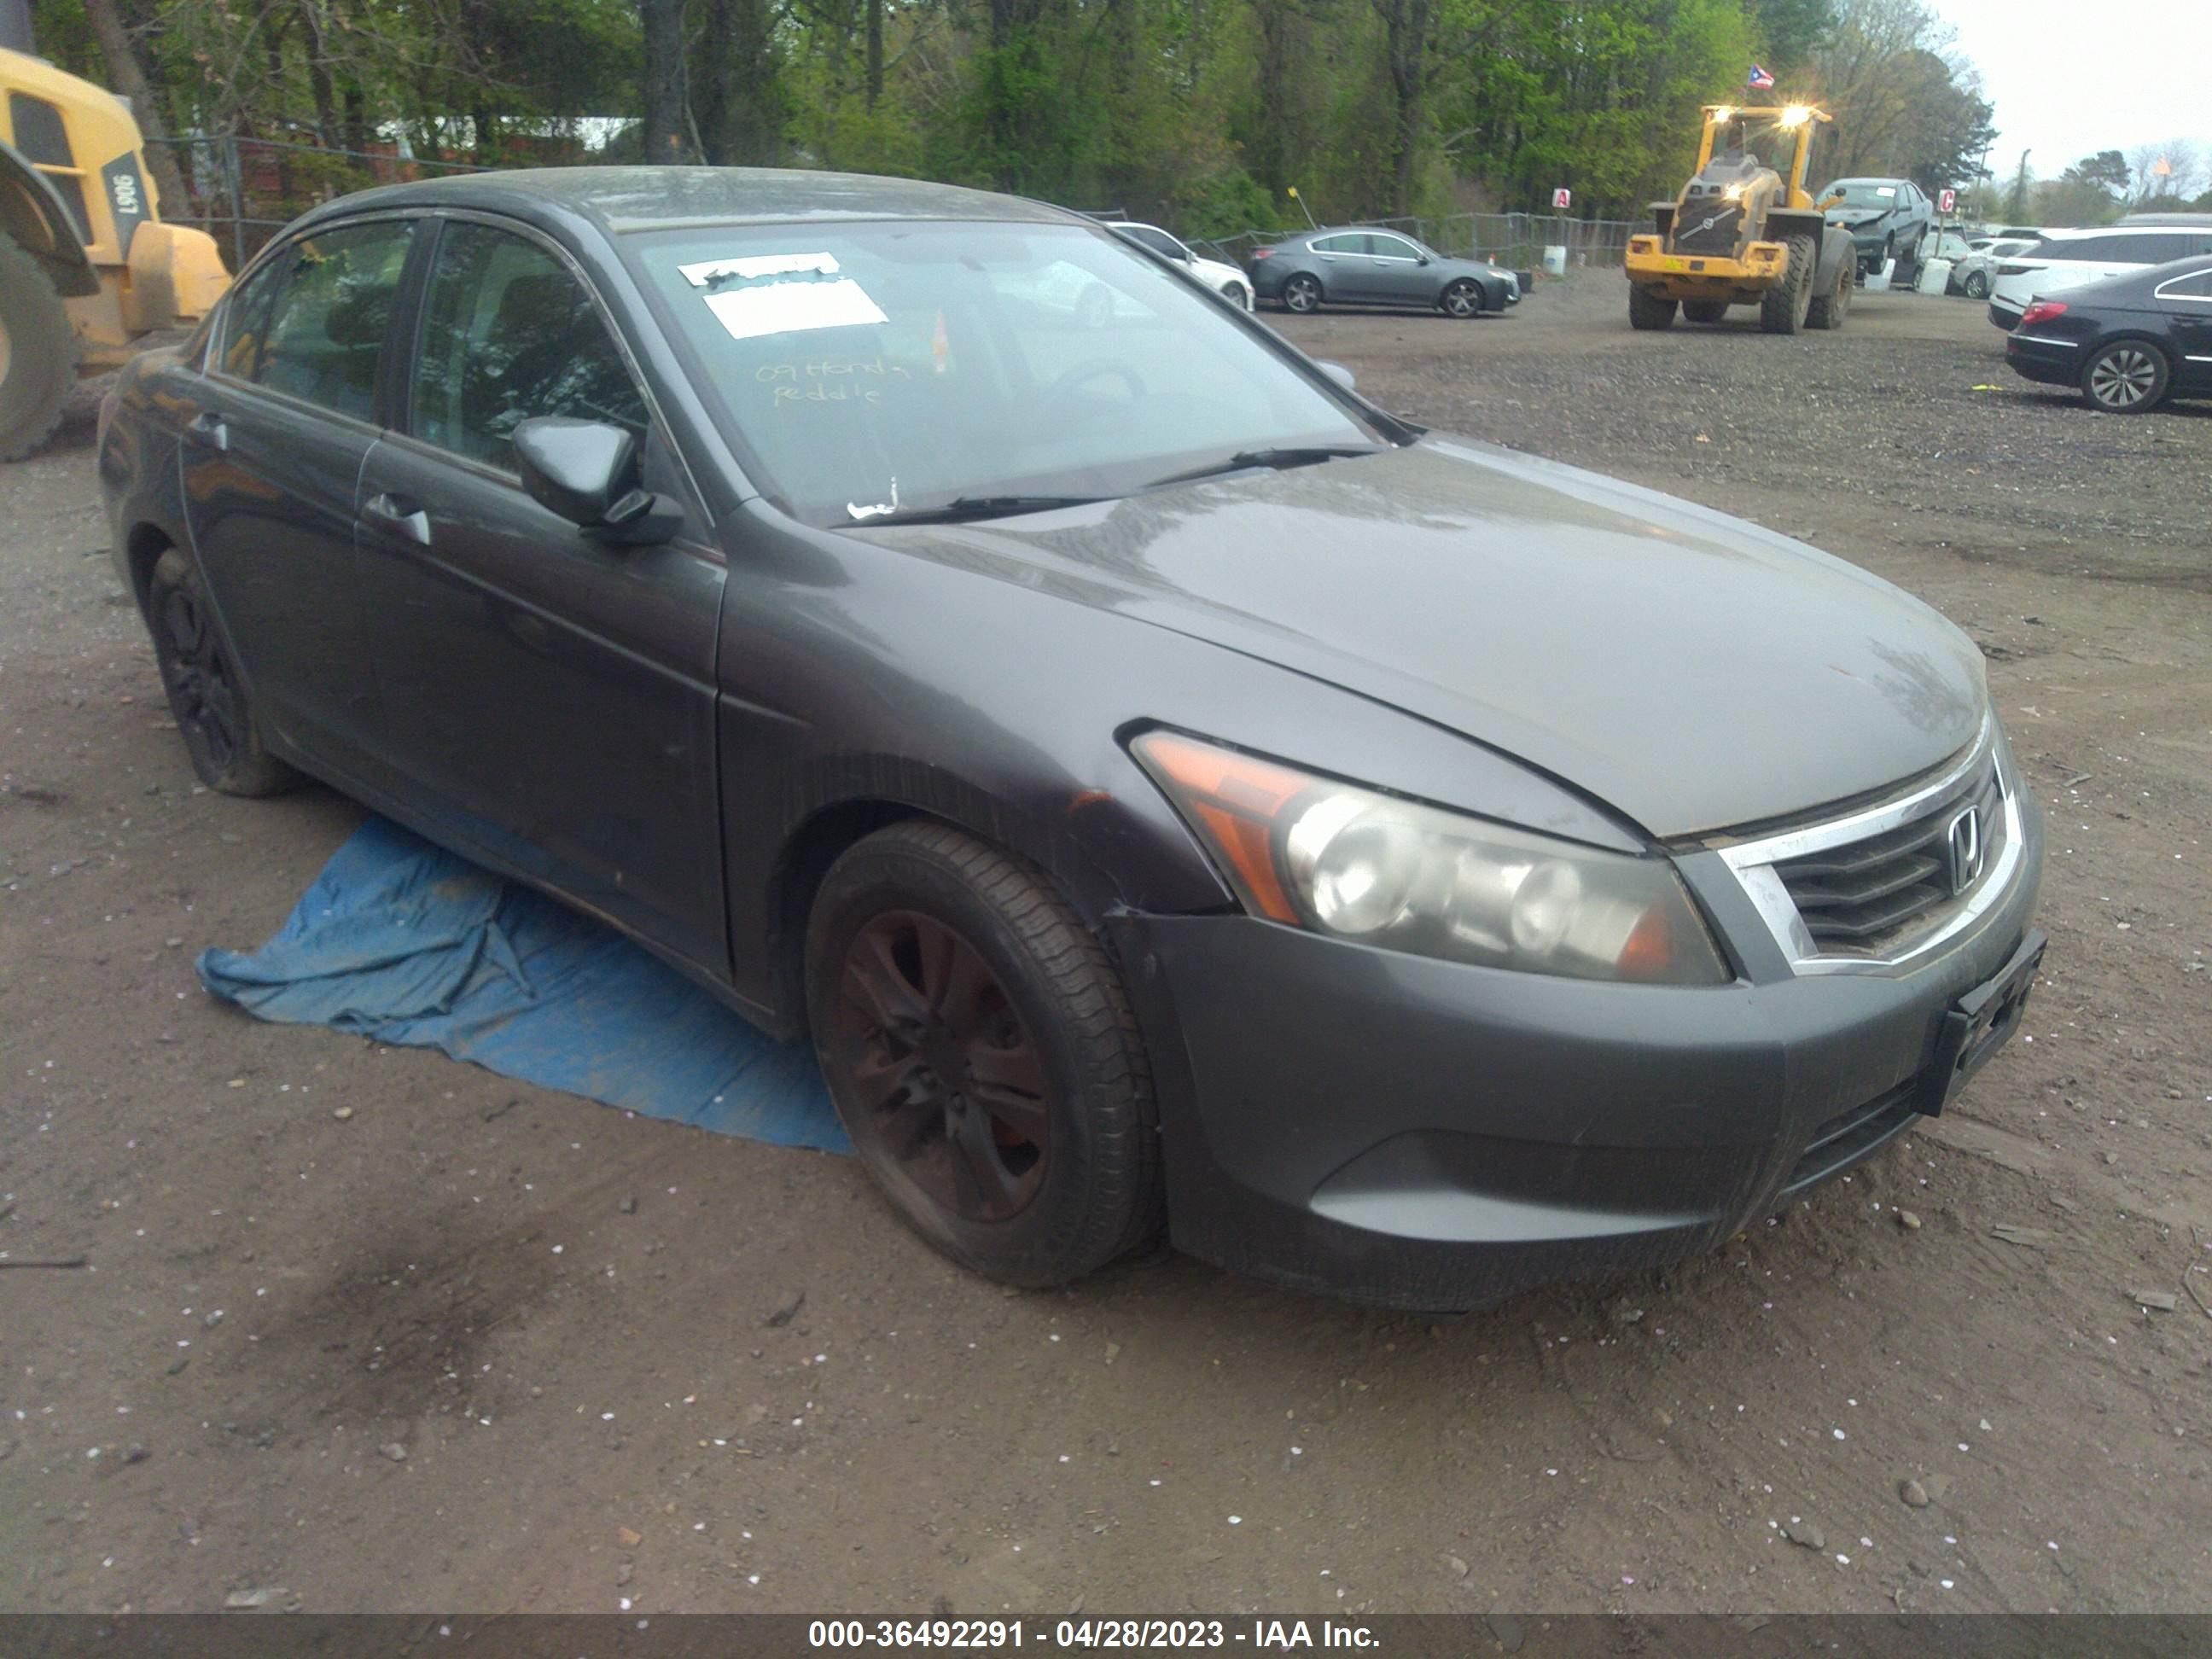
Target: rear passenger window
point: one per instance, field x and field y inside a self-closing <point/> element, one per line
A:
<point x="246" y="318"/>
<point x="326" y="331"/>
<point x="510" y="334"/>
<point x="2157" y="250"/>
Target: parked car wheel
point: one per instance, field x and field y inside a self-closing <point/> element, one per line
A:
<point x="1649" y="310"/>
<point x="1302" y="294"/>
<point x="1238" y="296"/>
<point x="1976" y="285"/>
<point x="2126" y="378"/>
<point x="1462" y="299"/>
<point x="1704" y="311"/>
<point x="981" y="1050"/>
<point x="206" y="698"/>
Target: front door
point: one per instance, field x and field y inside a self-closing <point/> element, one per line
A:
<point x="272" y="458"/>
<point x="1402" y="273"/>
<point x="551" y="696"/>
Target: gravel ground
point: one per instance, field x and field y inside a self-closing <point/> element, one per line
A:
<point x="363" y="1330"/>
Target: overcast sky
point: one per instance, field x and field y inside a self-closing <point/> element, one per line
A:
<point x="2069" y="81"/>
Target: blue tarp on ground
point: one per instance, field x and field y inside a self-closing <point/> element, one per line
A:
<point x="401" y="941"/>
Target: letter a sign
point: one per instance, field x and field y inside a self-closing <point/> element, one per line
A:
<point x="1563" y="199"/>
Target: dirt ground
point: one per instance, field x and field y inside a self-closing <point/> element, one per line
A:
<point x="365" y="1329"/>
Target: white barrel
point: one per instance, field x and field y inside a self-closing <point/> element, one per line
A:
<point x="1555" y="261"/>
<point x="1935" y="276"/>
<point x="1877" y="282"/>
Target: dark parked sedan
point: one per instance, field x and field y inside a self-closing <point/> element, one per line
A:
<point x="2127" y="343"/>
<point x="1360" y="266"/>
<point x="1167" y="789"/>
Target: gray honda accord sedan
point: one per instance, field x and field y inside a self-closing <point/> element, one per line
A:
<point x="1168" y="791"/>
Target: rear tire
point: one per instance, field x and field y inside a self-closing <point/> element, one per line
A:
<point x="1704" y="311"/>
<point x="1829" y="309"/>
<point x="1978" y="285"/>
<point x="1648" y="311"/>
<point x="1302" y="294"/>
<point x="2128" y="377"/>
<point x="38" y="353"/>
<point x="1783" y="308"/>
<point x="205" y="696"/>
<point x="980" y="1047"/>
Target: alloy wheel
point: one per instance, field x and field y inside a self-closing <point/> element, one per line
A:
<point x="949" y="1088"/>
<point x="1302" y="294"/>
<point x="2123" y="378"/>
<point x="1460" y="299"/>
<point x="202" y="694"/>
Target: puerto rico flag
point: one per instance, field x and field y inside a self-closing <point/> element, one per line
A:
<point x="1759" y="78"/>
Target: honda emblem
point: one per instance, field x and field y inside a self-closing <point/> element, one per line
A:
<point x="1964" y="849"/>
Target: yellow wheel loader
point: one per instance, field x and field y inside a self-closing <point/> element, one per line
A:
<point x="86" y="264"/>
<point x="1745" y="233"/>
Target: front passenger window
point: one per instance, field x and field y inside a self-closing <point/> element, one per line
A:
<point x="509" y="334"/>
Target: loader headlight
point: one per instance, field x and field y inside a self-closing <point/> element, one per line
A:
<point x="1795" y="115"/>
<point x="1335" y="859"/>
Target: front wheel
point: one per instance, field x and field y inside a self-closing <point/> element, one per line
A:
<point x="1237" y="295"/>
<point x="38" y="353"/>
<point x="1978" y="285"/>
<point x="1462" y="299"/>
<point x="1649" y="310"/>
<point x="1302" y="294"/>
<point x="1784" y="307"/>
<point x="980" y="1048"/>
<point x="206" y="698"/>
<point x="2126" y="378"/>
<point x="1829" y="308"/>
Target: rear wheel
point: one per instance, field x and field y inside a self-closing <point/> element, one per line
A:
<point x="1704" y="311"/>
<point x="1833" y="304"/>
<point x="1647" y="310"/>
<point x="1976" y="285"/>
<point x="38" y="353"/>
<point x="2126" y="378"/>
<point x="1462" y="299"/>
<point x="1302" y="294"/>
<point x="980" y="1048"/>
<point x="205" y="696"/>
<point x="1783" y="308"/>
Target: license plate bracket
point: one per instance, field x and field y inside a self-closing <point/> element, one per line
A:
<point x="1977" y="1024"/>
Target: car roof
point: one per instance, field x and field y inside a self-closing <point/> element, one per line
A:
<point x="630" y="198"/>
<point x="2140" y="224"/>
<point x="2187" y="221"/>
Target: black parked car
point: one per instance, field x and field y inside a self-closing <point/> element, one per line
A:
<point x="1160" y="783"/>
<point x="1888" y="218"/>
<point x="1354" y="265"/>
<point x="2127" y="343"/>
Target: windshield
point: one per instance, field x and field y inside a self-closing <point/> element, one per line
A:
<point x="1862" y="193"/>
<point x="904" y="365"/>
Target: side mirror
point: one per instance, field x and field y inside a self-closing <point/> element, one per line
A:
<point x="1420" y="259"/>
<point x="1338" y="372"/>
<point x="587" y="472"/>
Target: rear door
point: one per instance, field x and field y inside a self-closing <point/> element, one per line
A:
<point x="1347" y="273"/>
<point x="550" y="695"/>
<point x="272" y="462"/>
<point x="2187" y="301"/>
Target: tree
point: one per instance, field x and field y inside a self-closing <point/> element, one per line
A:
<point x="129" y="77"/>
<point x="2171" y="169"/>
<point x="662" y="88"/>
<point x="2021" y="199"/>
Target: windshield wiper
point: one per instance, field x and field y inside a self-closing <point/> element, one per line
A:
<point x="1245" y="460"/>
<point x="964" y="509"/>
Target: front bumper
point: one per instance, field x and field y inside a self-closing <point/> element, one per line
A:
<point x="1429" y="1135"/>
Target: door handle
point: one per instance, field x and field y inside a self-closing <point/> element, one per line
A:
<point x="208" y="430"/>
<point x="400" y="515"/>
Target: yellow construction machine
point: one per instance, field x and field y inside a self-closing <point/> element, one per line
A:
<point x="1745" y="233"/>
<point x="86" y="264"/>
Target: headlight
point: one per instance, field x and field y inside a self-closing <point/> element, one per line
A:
<point x="1335" y="859"/>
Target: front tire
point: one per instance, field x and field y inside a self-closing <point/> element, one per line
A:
<point x="1460" y="299"/>
<point x="1783" y="308"/>
<point x="38" y="353"/>
<point x="981" y="1049"/>
<point x="2128" y="377"/>
<point x="1236" y="294"/>
<point x="1648" y="311"/>
<point x="1978" y="285"/>
<point x="206" y="698"/>
<point x="1302" y="294"/>
<point x="1829" y="309"/>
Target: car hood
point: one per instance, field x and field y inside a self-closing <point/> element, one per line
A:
<point x="1692" y="670"/>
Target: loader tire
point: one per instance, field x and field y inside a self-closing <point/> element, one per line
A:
<point x="1649" y="310"/>
<point x="1783" y="308"/>
<point x="38" y="353"/>
<point x="1704" y="311"/>
<point x="1828" y="310"/>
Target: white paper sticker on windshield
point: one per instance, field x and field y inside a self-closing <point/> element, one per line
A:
<point x="781" y="294"/>
<point x="1884" y="189"/>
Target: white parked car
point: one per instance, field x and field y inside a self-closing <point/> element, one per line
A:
<point x="1226" y="280"/>
<point x="2067" y="258"/>
<point x="1975" y="270"/>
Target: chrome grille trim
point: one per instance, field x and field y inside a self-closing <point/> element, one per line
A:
<point x="1753" y="863"/>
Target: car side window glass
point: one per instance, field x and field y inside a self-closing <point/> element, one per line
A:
<point x="2198" y="286"/>
<point x="326" y="335"/>
<point x="2158" y="250"/>
<point x="1160" y="242"/>
<point x="246" y="318"/>
<point x="510" y="334"/>
<point x="1392" y="247"/>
